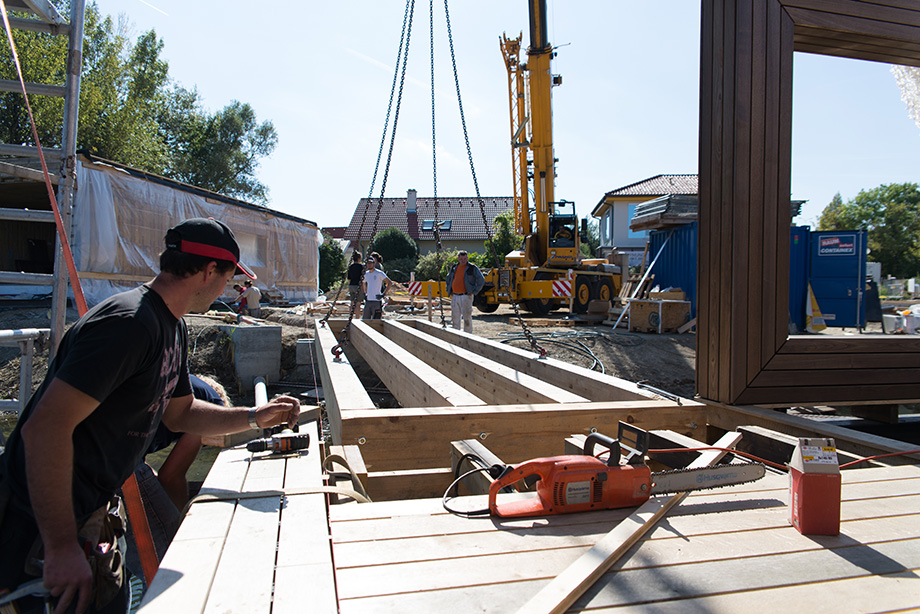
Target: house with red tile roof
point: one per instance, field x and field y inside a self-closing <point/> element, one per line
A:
<point x="617" y="208"/>
<point x="460" y="219"/>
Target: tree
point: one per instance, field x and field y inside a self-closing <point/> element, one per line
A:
<point x="592" y="240"/>
<point x="394" y="244"/>
<point x="891" y="215"/>
<point x="132" y="113"/>
<point x="503" y="238"/>
<point x="331" y="263"/>
<point x="224" y="150"/>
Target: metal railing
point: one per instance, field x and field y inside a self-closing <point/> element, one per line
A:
<point x="28" y="340"/>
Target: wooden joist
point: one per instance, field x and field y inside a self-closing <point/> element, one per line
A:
<point x="590" y="384"/>
<point x="341" y="387"/>
<point x="460" y="461"/>
<point x="411" y="381"/>
<point x="408" y="438"/>
<point x="489" y="380"/>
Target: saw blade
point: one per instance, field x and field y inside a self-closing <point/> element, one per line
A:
<point x="682" y="480"/>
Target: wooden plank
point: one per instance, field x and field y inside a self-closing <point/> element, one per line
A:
<point x="568" y="586"/>
<point x="835" y="377"/>
<point x="812" y="362"/>
<point x="407" y="438"/>
<point x="789" y="395"/>
<point x="342" y="388"/>
<point x="709" y="127"/>
<point x="726" y="206"/>
<point x="491" y="381"/>
<point x="741" y="308"/>
<point x="304" y="548"/>
<point x="408" y="483"/>
<point x="435" y="574"/>
<point x="826" y="344"/>
<point x="863" y="444"/>
<point x="411" y="381"/>
<point x="758" y="300"/>
<point x="590" y="384"/>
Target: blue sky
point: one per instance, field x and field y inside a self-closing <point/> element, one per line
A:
<point x="627" y="109"/>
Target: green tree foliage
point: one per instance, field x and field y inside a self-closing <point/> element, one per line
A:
<point x="331" y="263"/>
<point x="503" y="238"/>
<point x="592" y="241"/>
<point x="427" y="268"/>
<point x="891" y="214"/>
<point x="132" y="113"/>
<point x="394" y="244"/>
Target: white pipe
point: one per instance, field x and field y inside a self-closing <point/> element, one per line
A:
<point x="261" y="392"/>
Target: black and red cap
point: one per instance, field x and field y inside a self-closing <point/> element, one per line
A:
<point x="209" y="238"/>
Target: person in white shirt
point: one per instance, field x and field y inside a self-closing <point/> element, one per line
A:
<point x="252" y="296"/>
<point x="375" y="285"/>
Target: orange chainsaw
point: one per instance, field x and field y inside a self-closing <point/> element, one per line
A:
<point x="580" y="483"/>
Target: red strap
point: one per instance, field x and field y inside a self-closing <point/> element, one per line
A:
<point x="142" y="535"/>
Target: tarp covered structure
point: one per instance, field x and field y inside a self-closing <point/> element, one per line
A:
<point x="121" y="217"/>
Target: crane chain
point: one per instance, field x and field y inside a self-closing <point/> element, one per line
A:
<point x="482" y="206"/>
<point x="403" y="57"/>
<point x="434" y="167"/>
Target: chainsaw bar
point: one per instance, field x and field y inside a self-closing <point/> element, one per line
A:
<point x="682" y="480"/>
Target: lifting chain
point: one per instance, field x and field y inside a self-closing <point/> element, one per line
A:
<point x="434" y="169"/>
<point x="482" y="206"/>
<point x="402" y="60"/>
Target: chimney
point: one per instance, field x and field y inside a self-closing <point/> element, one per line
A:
<point x="410" y="201"/>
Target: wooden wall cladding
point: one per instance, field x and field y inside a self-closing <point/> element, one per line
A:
<point x="744" y="355"/>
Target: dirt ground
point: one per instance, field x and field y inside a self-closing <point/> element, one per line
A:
<point x="664" y="361"/>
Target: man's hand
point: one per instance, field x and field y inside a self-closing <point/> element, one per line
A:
<point x="280" y="410"/>
<point x="67" y="575"/>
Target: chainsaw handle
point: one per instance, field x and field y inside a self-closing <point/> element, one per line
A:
<point x="539" y="466"/>
<point x="606" y="441"/>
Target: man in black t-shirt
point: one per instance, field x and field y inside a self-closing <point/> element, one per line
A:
<point x="355" y="269"/>
<point x="119" y="370"/>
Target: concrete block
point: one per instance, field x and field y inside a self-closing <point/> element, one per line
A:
<point x="256" y="352"/>
<point x="304" y="354"/>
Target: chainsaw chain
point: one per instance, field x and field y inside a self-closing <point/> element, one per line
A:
<point x="701" y="487"/>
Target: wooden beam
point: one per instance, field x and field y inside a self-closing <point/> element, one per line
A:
<point x="567" y="587"/>
<point x="729" y="417"/>
<point x="477" y="483"/>
<point x="409" y="483"/>
<point x="491" y="381"/>
<point x="342" y="389"/>
<point x="590" y="384"/>
<point x="411" y="381"/>
<point x="407" y="438"/>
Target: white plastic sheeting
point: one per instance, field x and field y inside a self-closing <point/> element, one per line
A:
<point x="120" y="221"/>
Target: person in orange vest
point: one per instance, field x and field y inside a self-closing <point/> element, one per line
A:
<point x="464" y="281"/>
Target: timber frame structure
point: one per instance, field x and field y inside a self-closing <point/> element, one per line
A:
<point x="744" y="354"/>
<point x="454" y="386"/>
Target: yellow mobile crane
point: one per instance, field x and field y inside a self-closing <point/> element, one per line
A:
<point x="549" y="271"/>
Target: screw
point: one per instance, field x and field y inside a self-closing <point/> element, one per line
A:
<point x="361" y="441"/>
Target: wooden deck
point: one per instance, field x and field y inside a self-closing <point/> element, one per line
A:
<point x="729" y="550"/>
<point x="263" y="554"/>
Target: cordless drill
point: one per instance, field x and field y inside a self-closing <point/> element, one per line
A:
<point x="281" y="443"/>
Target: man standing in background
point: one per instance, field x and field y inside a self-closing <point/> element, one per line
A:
<point x="464" y="281"/>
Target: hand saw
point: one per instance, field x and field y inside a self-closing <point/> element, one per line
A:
<point x="578" y="483"/>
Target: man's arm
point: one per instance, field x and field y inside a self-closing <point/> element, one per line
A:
<point x="172" y="473"/>
<point x="190" y="415"/>
<point x="48" y="442"/>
